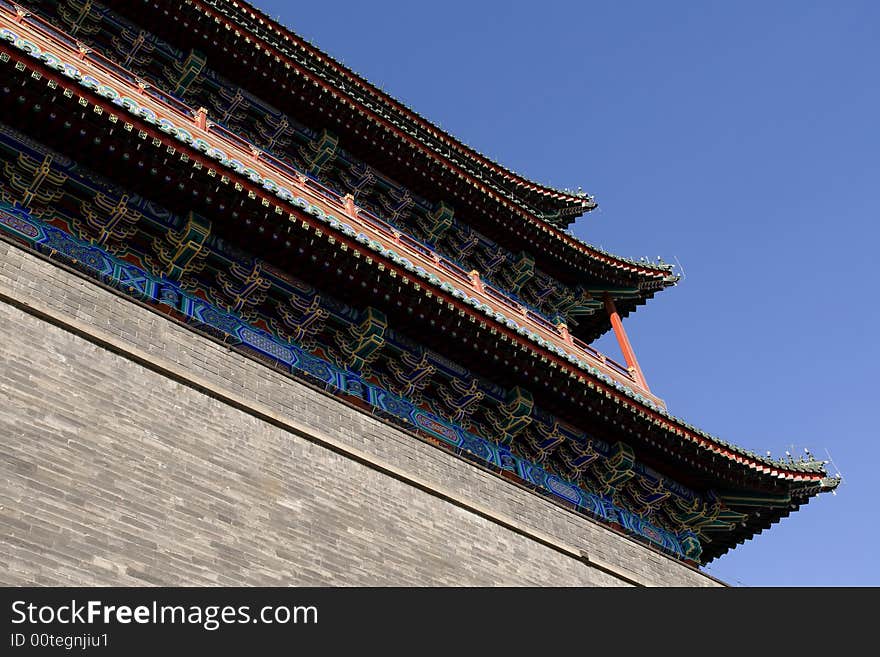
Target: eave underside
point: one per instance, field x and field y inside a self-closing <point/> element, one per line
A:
<point x="690" y="465"/>
<point x="562" y="256"/>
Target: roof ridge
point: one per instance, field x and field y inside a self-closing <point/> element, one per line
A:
<point x="442" y="135"/>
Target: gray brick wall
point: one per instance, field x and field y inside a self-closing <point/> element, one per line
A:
<point x="134" y="451"/>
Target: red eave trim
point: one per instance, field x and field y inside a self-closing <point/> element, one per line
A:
<point x="538" y="223"/>
<point x="445" y="137"/>
<point x="666" y="423"/>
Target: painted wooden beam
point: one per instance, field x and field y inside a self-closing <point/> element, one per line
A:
<point x="623" y="340"/>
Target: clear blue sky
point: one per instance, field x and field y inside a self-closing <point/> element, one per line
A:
<point x="741" y="138"/>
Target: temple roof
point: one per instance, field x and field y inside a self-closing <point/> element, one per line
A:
<point x="759" y="488"/>
<point x="549" y="210"/>
<point x="278" y="65"/>
<point x="556" y="206"/>
<point x="327" y="211"/>
<point x="271" y="62"/>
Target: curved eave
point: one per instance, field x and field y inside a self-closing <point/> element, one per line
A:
<point x="759" y="516"/>
<point x="737" y="457"/>
<point x="551" y="198"/>
<point x="550" y="218"/>
<point x="544" y="227"/>
<point x="669" y="437"/>
<point x="592" y="327"/>
<point x="741" y="466"/>
<point x="666" y="437"/>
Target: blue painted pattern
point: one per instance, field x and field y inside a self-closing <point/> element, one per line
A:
<point x="137" y="283"/>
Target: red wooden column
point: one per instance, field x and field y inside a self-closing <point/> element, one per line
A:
<point x="623" y="340"/>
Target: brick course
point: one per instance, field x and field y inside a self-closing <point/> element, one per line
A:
<point x="134" y="451"/>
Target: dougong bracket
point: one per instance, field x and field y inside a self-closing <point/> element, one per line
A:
<point x="320" y="152"/>
<point x="183" y="251"/>
<point x="360" y="345"/>
<point x="513" y="416"/>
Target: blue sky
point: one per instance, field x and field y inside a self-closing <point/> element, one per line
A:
<point x="740" y="138"/>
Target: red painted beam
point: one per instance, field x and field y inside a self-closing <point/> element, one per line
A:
<point x="623" y="340"/>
